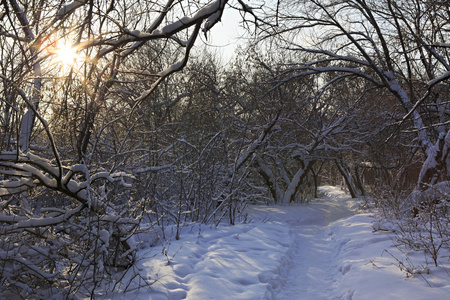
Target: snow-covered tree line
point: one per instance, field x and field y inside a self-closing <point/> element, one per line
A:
<point x="136" y="129"/>
<point x="398" y="48"/>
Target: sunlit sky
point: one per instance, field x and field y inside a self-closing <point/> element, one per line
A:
<point x="226" y="35"/>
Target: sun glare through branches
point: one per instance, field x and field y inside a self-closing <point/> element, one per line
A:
<point x="66" y="54"/>
<point x="63" y="54"/>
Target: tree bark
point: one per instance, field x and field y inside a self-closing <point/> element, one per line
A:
<point x="296" y="181"/>
<point x="269" y="179"/>
<point x="347" y="178"/>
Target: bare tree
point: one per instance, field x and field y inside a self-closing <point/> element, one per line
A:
<point x="306" y="126"/>
<point x="397" y="46"/>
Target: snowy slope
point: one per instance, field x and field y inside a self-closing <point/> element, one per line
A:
<point x="325" y="250"/>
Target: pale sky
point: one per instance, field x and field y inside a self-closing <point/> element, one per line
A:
<point x="224" y="36"/>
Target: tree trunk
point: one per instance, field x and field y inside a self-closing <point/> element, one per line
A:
<point x="359" y="182"/>
<point x="437" y="160"/>
<point x="347" y="178"/>
<point x="296" y="182"/>
<point x="269" y="179"/>
<point x="316" y="179"/>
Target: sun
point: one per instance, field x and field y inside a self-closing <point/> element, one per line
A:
<point x="66" y="54"/>
<point x="64" y="57"/>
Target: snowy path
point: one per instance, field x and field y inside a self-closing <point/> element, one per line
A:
<point x="324" y="250"/>
<point x="313" y="271"/>
<point x="312" y="274"/>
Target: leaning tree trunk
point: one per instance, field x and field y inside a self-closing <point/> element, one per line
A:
<point x="346" y="173"/>
<point x="296" y="181"/>
<point x="269" y="178"/>
<point x="435" y="163"/>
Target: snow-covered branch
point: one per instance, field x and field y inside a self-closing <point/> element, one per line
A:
<point x="208" y="14"/>
<point x="265" y="132"/>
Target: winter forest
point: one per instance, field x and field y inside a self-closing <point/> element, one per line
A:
<point x="118" y="122"/>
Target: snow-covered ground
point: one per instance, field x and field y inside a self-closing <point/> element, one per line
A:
<point x="325" y="250"/>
